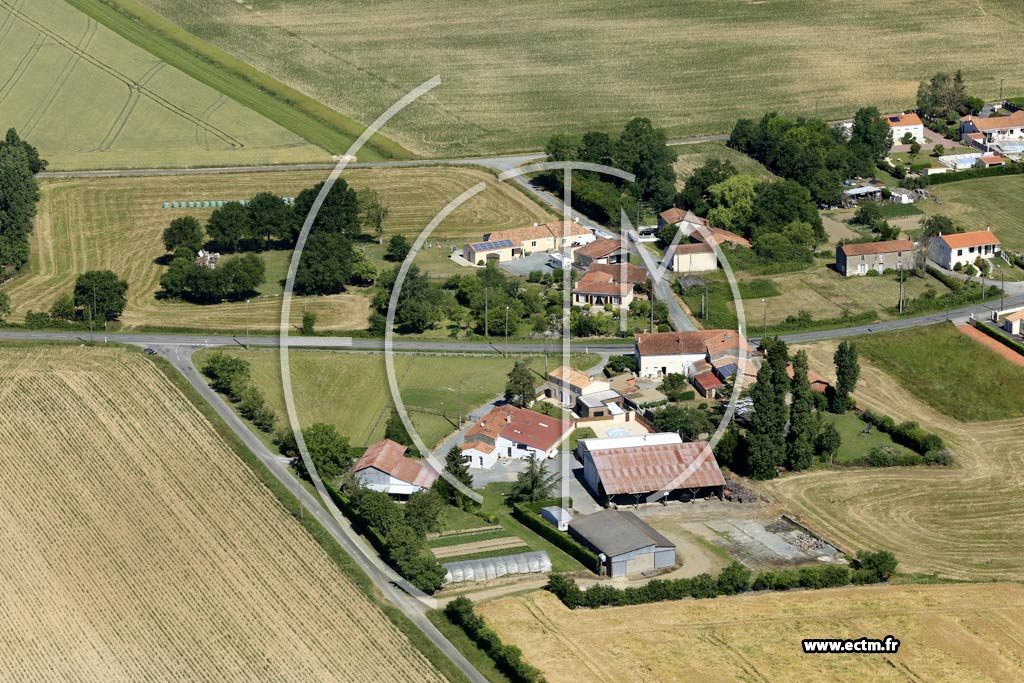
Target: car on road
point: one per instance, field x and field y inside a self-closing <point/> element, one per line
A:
<point x="149" y="351"/>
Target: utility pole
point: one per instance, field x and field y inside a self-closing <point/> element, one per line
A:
<point x="506" y="330"/>
<point x="1002" y="287"/>
<point x="247" y="320"/>
<point x="486" y="313"/>
<point x="901" y="287"/>
<point x="707" y="302"/>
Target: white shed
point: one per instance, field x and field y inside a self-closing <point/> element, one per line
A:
<point x="557" y="516"/>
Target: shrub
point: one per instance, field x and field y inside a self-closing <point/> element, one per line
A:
<point x="909" y="434"/>
<point x="881" y="563"/>
<point x="507" y="658"/>
<point x="734" y="579"/>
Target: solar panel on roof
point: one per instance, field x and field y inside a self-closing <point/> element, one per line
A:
<point x="486" y="246"/>
<point x="894" y="119"/>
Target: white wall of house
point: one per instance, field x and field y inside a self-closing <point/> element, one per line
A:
<point x="899" y="131"/>
<point x="618" y="302"/>
<point x="479" y="460"/>
<point x="375" y="479"/>
<point x="507" y="448"/>
<point x="694" y="263"/>
<point x="946" y="257"/>
<point x="658" y="366"/>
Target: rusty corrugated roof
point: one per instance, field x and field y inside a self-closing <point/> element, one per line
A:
<point x="642" y="469"/>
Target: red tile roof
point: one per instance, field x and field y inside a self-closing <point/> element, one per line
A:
<point x="713" y="342"/>
<point x="719" y="236"/>
<point x="673" y="215"/>
<point x="978" y="238"/>
<point x="634" y="275"/>
<point x="692" y="248"/>
<point x="600" y="248"/>
<point x="481" y="446"/>
<point x="641" y="469"/>
<point x="520" y="425"/>
<point x="817" y="382"/>
<point x="601" y="283"/>
<point x="990" y="159"/>
<point x="866" y="248"/>
<point x="983" y="123"/>
<point x="707" y="381"/>
<point x="903" y="120"/>
<point x="389" y="457"/>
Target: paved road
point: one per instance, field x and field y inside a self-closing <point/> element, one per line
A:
<point x="395" y="589"/>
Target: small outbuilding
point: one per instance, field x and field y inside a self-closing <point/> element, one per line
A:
<point x="557" y="516"/>
<point x="626" y="544"/>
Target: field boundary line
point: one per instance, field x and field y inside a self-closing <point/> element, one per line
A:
<point x="134" y="95"/>
<point x="291" y="109"/>
<point x="22" y="66"/>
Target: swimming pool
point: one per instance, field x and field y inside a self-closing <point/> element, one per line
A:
<point x="619" y="432"/>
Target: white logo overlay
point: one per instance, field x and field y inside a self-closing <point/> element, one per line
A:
<point x="629" y="240"/>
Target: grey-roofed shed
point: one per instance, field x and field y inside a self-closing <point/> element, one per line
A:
<point x="630" y="545"/>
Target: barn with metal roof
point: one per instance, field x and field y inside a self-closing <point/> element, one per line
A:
<point x="626" y="544"/>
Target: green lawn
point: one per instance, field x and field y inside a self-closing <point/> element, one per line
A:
<point x="350" y="390"/>
<point x="494" y="503"/>
<point x="976" y="204"/>
<point x="453" y="518"/>
<point x="477" y="657"/>
<point x="459" y="539"/>
<point x="857" y="444"/>
<point x="949" y="371"/>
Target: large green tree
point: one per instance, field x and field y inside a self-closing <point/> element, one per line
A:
<point x="184" y="236"/>
<point x="689" y="423"/>
<point x="533" y="484"/>
<point x="372" y="212"/>
<point x="455" y="465"/>
<point x="228" y="225"/>
<point x="328" y="449"/>
<point x="767" y="434"/>
<point x="643" y="150"/>
<point x="5" y="306"/>
<point x="19" y="195"/>
<point x="326" y="265"/>
<point x="847" y="374"/>
<point x="101" y="294"/>
<point x="269" y="217"/>
<point x="694" y="195"/>
<point x="519" y="388"/>
<point x="339" y="212"/>
<point x="802" y="435"/>
<point x="872" y="132"/>
<point x="943" y="96"/>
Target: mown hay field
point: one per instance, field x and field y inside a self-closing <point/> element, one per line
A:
<point x="88" y="98"/>
<point x="117" y="223"/>
<point x="985" y="202"/>
<point x="138" y="546"/>
<point x="692" y="156"/>
<point x="514" y="73"/>
<point x="350" y="390"/>
<point x="961" y="522"/>
<point x="946" y="633"/>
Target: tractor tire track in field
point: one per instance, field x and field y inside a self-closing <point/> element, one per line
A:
<point x="161" y="101"/>
<point x="202" y="135"/>
<point x="21" y="67"/>
<point x="8" y="22"/>
<point x="129" y="107"/>
<point x="91" y="27"/>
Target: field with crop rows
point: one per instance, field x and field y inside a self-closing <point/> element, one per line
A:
<point x="116" y="223"/>
<point x="137" y="546"/>
<point x="514" y="73"/>
<point x="946" y="633"/>
<point x="962" y="522"/>
<point x="88" y="98"/>
<point x="350" y="390"/>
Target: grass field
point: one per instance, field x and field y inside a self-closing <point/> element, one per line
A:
<point x="350" y="390"/>
<point x="977" y="204"/>
<point x="514" y="73"/>
<point x="88" y="98"/>
<point x="140" y="547"/>
<point x="856" y="443"/>
<point x="116" y="223"/>
<point x="947" y="633"/>
<point x="964" y="522"/>
<point x="950" y="372"/>
<point x="695" y="155"/>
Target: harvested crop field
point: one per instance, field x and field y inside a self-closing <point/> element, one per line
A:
<point x="88" y="98"/>
<point x="946" y="633"/>
<point x="117" y="223"/>
<point x="515" y="73"/>
<point x="138" y="546"/>
<point x="961" y="522"/>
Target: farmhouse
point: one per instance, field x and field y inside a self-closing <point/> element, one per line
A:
<point x="384" y="467"/>
<point x="622" y="272"/>
<point x="630" y="469"/>
<point x="859" y="259"/>
<point x="566" y="384"/>
<point x="901" y="124"/>
<point x="626" y="544"/>
<point x="993" y="129"/>
<point x="511" y="432"/>
<point x="963" y="248"/>
<point x="598" y="288"/>
<point x="505" y="245"/>
<point x="601" y="250"/>
<point x="697" y="257"/>
<point x="695" y="227"/>
<point x="662" y="353"/>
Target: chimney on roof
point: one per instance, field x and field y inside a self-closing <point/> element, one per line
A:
<point x="508" y="419"/>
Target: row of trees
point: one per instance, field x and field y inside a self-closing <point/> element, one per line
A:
<point x="233" y="279"/>
<point x="19" y="194"/>
<point x="790" y="435"/>
<point x="640" y="149"/>
<point x="944" y="98"/>
<point x="232" y="376"/>
<point x="812" y="153"/>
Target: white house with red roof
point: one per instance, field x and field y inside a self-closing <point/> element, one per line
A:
<point x="385" y="467"/>
<point x="991" y="129"/>
<point x="901" y="124"/>
<point x="514" y="433"/>
<point x="963" y="248"/>
<point x="662" y="353"/>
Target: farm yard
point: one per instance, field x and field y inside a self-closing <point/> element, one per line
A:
<point x="756" y="637"/>
<point x="85" y="223"/>
<point x="88" y="98"/>
<point x="497" y="96"/>
<point x="964" y="522"/>
<point x="350" y="390"/>
<point x="145" y="549"/>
